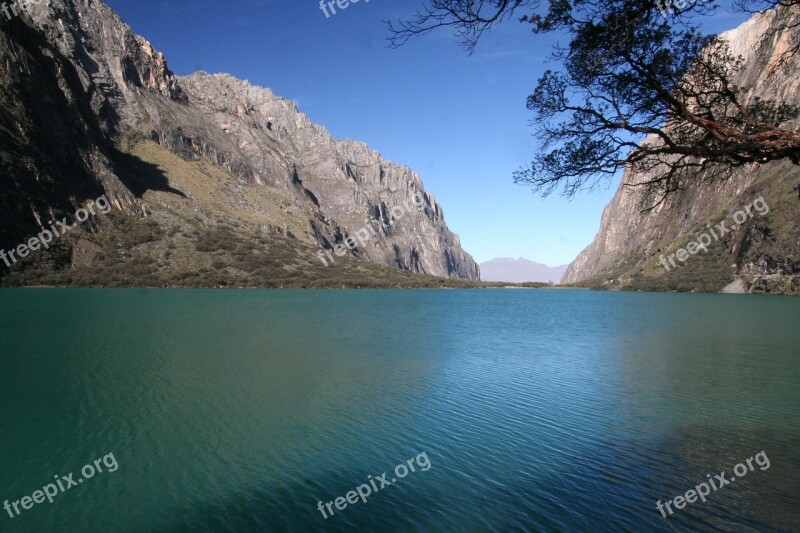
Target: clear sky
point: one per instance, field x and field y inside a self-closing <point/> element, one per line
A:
<point x="458" y="120"/>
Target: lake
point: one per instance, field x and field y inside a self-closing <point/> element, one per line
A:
<point x="533" y="410"/>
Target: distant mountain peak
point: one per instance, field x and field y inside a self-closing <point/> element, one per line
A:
<point x="520" y="270"/>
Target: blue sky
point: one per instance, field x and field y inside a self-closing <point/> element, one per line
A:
<point x="458" y="120"/>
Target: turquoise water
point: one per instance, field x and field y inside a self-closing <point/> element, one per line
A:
<point x="546" y="410"/>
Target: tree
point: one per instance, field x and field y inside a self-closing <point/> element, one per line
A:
<point x="640" y="86"/>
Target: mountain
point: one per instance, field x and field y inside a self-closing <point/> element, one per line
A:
<point x="520" y="271"/>
<point x="213" y="181"/>
<point x="755" y="250"/>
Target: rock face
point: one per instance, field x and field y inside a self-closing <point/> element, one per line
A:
<point x="762" y="254"/>
<point x="264" y="140"/>
<point x="76" y="80"/>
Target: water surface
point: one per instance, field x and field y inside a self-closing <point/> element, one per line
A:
<point x="539" y="410"/>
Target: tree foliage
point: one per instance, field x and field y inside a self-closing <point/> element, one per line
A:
<point x="639" y="86"/>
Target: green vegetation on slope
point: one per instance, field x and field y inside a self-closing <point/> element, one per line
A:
<point x="203" y="229"/>
<point x="764" y="244"/>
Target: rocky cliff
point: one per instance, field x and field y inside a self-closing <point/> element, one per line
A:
<point x="90" y="108"/>
<point x="762" y="254"/>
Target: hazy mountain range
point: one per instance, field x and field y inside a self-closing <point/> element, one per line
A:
<point x="520" y="270"/>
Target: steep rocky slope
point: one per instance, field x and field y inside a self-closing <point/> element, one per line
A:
<point x="89" y="108"/>
<point x="762" y="254"/>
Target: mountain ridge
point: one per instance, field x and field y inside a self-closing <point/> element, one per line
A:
<point x="76" y="68"/>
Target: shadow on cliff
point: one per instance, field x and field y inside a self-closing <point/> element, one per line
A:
<point x="140" y="176"/>
<point x="49" y="132"/>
